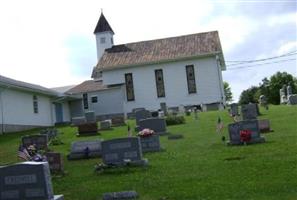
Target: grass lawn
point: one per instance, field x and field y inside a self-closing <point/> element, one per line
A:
<point x="199" y="166"/>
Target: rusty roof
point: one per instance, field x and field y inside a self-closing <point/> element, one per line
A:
<point x="87" y="86"/>
<point x="161" y="50"/>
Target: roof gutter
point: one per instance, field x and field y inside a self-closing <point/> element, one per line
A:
<point x="110" y="68"/>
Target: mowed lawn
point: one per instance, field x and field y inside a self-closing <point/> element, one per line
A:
<point x="200" y="166"/>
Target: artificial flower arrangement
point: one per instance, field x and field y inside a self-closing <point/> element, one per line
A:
<point x="146" y="133"/>
<point x="245" y="135"/>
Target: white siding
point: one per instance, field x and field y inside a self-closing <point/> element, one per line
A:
<point x="18" y="109"/>
<point x="109" y="101"/>
<point x="102" y="46"/>
<point x="175" y="80"/>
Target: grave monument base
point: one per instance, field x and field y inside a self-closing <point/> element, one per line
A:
<point x="253" y="141"/>
<point x="58" y="197"/>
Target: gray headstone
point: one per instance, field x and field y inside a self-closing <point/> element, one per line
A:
<point x="264" y="125"/>
<point x="26" y="181"/>
<point x="55" y="161"/>
<point x="78" y="120"/>
<point x="181" y="109"/>
<point x="249" y="111"/>
<point x="120" y="195"/>
<point x="150" y="144"/>
<point x="40" y="141"/>
<point x="119" y="151"/>
<point x="85" y="149"/>
<point x="90" y="116"/>
<point x="163" y="107"/>
<point x="141" y="114"/>
<point x="158" y="125"/>
<point x="234" y="109"/>
<point x="251" y="125"/>
<point x="105" y="125"/>
<point x="292" y="99"/>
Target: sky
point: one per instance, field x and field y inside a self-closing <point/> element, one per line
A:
<point x="51" y="42"/>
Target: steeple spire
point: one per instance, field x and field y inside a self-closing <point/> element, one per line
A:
<point x="102" y="25"/>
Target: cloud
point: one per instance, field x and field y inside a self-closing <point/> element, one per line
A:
<point x="288" y="18"/>
<point x="287" y="47"/>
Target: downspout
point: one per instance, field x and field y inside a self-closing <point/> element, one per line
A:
<point x="2" y="112"/>
<point x="221" y="81"/>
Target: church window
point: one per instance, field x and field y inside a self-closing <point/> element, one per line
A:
<point x="129" y="87"/>
<point x="35" y="104"/>
<point x="191" y="79"/>
<point x="85" y="101"/>
<point x="102" y="40"/>
<point x="160" y="83"/>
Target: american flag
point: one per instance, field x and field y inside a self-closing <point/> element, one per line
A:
<point x="23" y="153"/>
<point x="220" y="125"/>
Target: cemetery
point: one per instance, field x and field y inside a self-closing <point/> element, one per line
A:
<point x="191" y="162"/>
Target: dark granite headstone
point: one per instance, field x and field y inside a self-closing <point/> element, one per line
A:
<point x="163" y="107"/>
<point x="120" y="195"/>
<point x="90" y="117"/>
<point x="87" y="129"/>
<point x="40" y="141"/>
<point x="156" y="124"/>
<point x="292" y="99"/>
<point x="85" y="149"/>
<point x="264" y="125"/>
<point x="118" y="121"/>
<point x="141" y="114"/>
<point x="234" y="109"/>
<point x="250" y="125"/>
<point x="150" y="144"/>
<point x="78" y="120"/>
<point x="249" y="111"/>
<point x="122" y="150"/>
<point x="27" y="181"/>
<point x="55" y="161"/>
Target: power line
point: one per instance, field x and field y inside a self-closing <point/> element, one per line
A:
<point x="249" y="66"/>
<point x="259" y="60"/>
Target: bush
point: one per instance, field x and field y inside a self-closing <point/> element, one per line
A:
<point x="174" y="119"/>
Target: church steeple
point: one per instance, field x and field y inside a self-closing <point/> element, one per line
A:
<point x="102" y="25"/>
<point x="104" y="36"/>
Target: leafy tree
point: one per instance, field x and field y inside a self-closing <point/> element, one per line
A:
<point x="270" y="87"/>
<point x="228" y="93"/>
<point x="249" y="95"/>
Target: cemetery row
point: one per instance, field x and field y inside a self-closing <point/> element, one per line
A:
<point x="32" y="180"/>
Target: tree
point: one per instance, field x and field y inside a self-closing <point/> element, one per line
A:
<point x="270" y="87"/>
<point x="249" y="96"/>
<point x="228" y="93"/>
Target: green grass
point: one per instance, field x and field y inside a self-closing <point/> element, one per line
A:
<point x="199" y="166"/>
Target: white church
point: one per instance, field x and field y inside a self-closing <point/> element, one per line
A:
<point x="184" y="70"/>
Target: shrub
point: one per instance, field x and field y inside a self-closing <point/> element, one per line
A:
<point x="175" y="119"/>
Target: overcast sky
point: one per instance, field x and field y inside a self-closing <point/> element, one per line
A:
<point x="51" y="43"/>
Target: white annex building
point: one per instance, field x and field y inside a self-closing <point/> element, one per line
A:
<point x="184" y="70"/>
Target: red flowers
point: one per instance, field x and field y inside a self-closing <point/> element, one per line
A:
<point x="245" y="135"/>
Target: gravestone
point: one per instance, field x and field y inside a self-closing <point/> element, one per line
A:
<point x="122" y="150"/>
<point x="164" y="108"/>
<point x="264" y="125"/>
<point x="250" y="125"/>
<point x="87" y="129"/>
<point x="142" y="114"/>
<point x="27" y="181"/>
<point x="158" y="125"/>
<point x="85" y="149"/>
<point x="105" y="125"/>
<point x="118" y="121"/>
<point x="161" y="114"/>
<point x="181" y="109"/>
<point x="78" y="120"/>
<point x="55" y="161"/>
<point x="249" y="111"/>
<point x="154" y="113"/>
<point x="90" y="117"/>
<point x="234" y="109"/>
<point x="120" y="195"/>
<point x="292" y="99"/>
<point x="51" y="133"/>
<point x="282" y="94"/>
<point x="40" y="141"/>
<point x="150" y="143"/>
